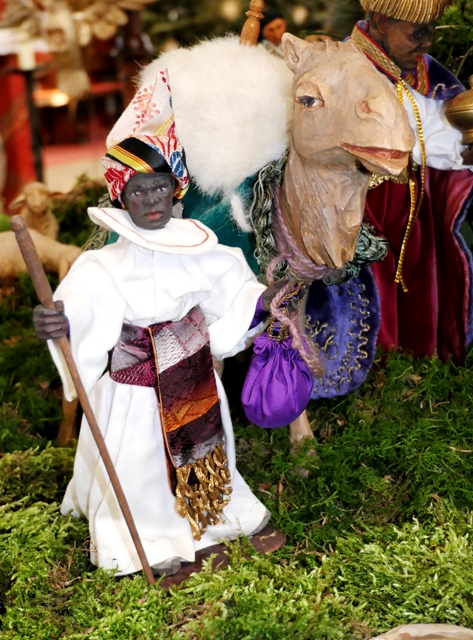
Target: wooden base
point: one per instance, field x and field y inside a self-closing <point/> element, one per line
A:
<point x="266" y="541"/>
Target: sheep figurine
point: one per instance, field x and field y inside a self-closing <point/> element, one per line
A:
<point x="54" y="256"/>
<point x="34" y="207"/>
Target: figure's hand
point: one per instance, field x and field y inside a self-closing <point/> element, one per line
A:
<point x="271" y="291"/>
<point x="50" y="324"/>
<point x="467" y="156"/>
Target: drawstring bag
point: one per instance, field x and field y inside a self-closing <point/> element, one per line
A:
<point x="278" y="384"/>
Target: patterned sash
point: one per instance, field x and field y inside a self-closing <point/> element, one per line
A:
<point x="174" y="358"/>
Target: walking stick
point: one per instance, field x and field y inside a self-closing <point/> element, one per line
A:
<point x="45" y="295"/>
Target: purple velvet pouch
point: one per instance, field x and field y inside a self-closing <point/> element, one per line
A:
<point x="278" y="383"/>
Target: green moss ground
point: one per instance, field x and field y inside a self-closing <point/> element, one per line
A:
<point x="378" y="525"/>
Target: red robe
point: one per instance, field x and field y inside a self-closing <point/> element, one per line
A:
<point x="435" y="314"/>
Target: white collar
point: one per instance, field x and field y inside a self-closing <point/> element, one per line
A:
<point x="178" y="236"/>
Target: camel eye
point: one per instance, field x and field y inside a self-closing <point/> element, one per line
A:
<point x="310" y="101"/>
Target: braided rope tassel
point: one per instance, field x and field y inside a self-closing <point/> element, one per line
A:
<point x="414" y="210"/>
<point x="202" y="502"/>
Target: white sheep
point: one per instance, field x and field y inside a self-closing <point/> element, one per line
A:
<point x="54" y="256"/>
<point x="34" y="204"/>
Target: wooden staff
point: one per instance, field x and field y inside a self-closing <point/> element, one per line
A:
<point x="45" y="295"/>
<point x="250" y="32"/>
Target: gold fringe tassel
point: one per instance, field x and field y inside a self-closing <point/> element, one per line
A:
<point x="202" y="502"/>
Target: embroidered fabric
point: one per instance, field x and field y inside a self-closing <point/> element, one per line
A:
<point x="175" y="359"/>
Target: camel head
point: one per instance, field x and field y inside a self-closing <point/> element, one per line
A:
<point x="345" y="111"/>
<point x="347" y="123"/>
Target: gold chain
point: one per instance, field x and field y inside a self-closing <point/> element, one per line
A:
<point x="413" y="209"/>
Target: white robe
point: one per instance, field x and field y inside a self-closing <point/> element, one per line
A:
<point x="158" y="277"/>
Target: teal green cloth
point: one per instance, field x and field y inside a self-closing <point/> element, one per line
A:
<point x="112" y="237"/>
<point x="215" y="212"/>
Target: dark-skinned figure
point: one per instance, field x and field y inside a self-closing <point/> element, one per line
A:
<point x="145" y="316"/>
<point x="425" y="282"/>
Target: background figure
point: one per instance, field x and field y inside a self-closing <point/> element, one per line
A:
<point x="272" y="27"/>
<point x="425" y="282"/>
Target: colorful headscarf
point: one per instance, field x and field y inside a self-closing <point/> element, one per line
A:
<point x="417" y="11"/>
<point x="143" y="136"/>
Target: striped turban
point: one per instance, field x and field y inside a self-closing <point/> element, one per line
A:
<point x="144" y="140"/>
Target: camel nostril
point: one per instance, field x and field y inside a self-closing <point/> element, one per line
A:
<point x="364" y="107"/>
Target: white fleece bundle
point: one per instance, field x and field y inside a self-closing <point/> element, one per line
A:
<point x="232" y="105"/>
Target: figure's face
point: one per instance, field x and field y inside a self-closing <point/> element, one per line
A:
<point x="148" y="199"/>
<point x="404" y="42"/>
<point x="274" y="30"/>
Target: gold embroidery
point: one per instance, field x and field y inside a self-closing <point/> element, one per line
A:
<point x="378" y="178"/>
<point x="441" y="86"/>
<point x="359" y="330"/>
<point x="322" y="331"/>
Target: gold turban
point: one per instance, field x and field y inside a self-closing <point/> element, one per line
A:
<point x="418" y="11"/>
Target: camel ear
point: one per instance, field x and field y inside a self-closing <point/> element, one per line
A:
<point x="293" y="49"/>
